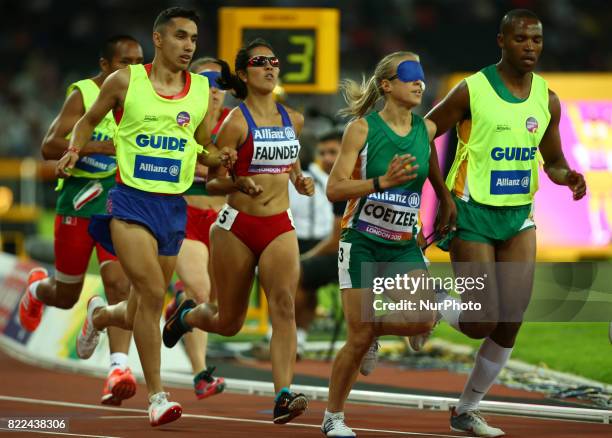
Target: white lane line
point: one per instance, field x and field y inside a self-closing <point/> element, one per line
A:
<point x="267" y="422"/>
<point x="68" y="404"/>
<point x="57" y="433"/>
<point x="211" y="417"/>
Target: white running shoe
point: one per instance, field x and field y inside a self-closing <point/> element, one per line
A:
<point x="369" y="361"/>
<point x="162" y="411"/>
<point x="473" y="422"/>
<point x="88" y="337"/>
<point x="333" y="426"/>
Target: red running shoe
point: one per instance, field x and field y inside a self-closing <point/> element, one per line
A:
<point x="31" y="309"/>
<point x="120" y="385"/>
<point x="205" y="385"/>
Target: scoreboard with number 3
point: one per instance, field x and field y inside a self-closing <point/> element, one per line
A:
<point x="306" y="40"/>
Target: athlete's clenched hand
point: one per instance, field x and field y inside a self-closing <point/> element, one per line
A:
<point x="304" y="185"/>
<point x="228" y="157"/>
<point x="65" y="163"/>
<point x="401" y="170"/>
<point x="575" y="181"/>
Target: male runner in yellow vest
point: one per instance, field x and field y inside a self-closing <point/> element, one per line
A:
<point x="162" y="123"/>
<point x="506" y="117"/>
<point x="81" y="196"/>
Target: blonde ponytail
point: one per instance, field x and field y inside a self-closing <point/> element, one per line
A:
<point x="362" y="98"/>
<point x="359" y="98"/>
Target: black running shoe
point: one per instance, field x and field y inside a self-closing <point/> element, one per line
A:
<point x="288" y="406"/>
<point x="174" y="328"/>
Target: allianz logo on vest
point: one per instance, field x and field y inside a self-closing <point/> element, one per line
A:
<point x="148" y="167"/>
<point x="274" y="133"/>
<point x="412" y="200"/>
<point x="161" y="141"/>
<point x="97" y="162"/>
<point x="157" y="168"/>
<point x="514" y="153"/>
<point x="510" y="182"/>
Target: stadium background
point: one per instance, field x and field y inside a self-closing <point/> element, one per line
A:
<point x="47" y="44"/>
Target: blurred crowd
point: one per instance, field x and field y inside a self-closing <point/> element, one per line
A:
<point x="46" y="44"/>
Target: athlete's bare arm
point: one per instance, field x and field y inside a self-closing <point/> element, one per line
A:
<point x="303" y="185"/>
<point x="112" y="96"/>
<point x="203" y="133"/>
<point x="432" y="128"/>
<point x="454" y="108"/>
<point x="55" y="143"/>
<point x="233" y="133"/>
<point x="341" y="187"/>
<point x="447" y="211"/>
<point x="297" y="119"/>
<point x="555" y="165"/>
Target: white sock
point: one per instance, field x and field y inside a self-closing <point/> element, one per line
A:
<point x="333" y="414"/>
<point x="269" y="333"/>
<point x="490" y="360"/>
<point x="33" y="288"/>
<point x="450" y="315"/>
<point x="302" y="335"/>
<point x="118" y="360"/>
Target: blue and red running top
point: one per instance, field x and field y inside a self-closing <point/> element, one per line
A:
<point x="270" y="149"/>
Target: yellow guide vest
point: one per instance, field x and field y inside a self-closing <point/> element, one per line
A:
<point x="156" y="149"/>
<point x="94" y="166"/>
<point x="497" y="153"/>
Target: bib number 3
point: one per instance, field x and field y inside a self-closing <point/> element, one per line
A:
<point x="344" y="255"/>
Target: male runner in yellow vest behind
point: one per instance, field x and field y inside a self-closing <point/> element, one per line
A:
<point x="81" y="196"/>
<point x="161" y="108"/>
<point x="506" y="117"/>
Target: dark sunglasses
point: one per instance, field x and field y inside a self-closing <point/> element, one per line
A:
<point x="260" y="61"/>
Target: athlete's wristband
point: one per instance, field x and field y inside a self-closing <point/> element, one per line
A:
<point x="377" y="187"/>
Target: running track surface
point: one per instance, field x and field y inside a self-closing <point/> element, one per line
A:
<point x="28" y="391"/>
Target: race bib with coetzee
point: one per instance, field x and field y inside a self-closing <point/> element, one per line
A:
<point x="391" y="215"/>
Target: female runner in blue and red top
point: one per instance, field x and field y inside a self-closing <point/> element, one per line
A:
<point x="255" y="228"/>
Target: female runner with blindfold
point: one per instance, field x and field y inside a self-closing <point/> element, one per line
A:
<point x="384" y="161"/>
<point x="255" y="228"/>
